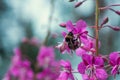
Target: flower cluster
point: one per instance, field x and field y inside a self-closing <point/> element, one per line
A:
<point x="23" y="67"/>
<point x="41" y="65"/>
<point x="20" y="69"/>
<point x="77" y="38"/>
<point x="46" y="61"/>
<point x="92" y="67"/>
<point x="67" y="71"/>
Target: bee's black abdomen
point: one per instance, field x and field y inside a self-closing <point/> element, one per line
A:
<point x="67" y="39"/>
<point x="72" y="42"/>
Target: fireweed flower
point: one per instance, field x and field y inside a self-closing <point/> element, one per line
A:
<point x="46" y="67"/>
<point x="50" y="67"/>
<point x="45" y="56"/>
<point x="87" y="47"/>
<point x="20" y="69"/>
<point x="115" y="63"/>
<point x="66" y="74"/>
<point x="63" y="47"/>
<point x="92" y="68"/>
<point x="76" y="35"/>
<point x="50" y="73"/>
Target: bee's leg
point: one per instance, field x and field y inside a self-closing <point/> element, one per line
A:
<point x="72" y="45"/>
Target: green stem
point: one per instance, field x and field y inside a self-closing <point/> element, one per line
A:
<point x="97" y="26"/>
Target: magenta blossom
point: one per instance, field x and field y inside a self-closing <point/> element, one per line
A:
<point x="49" y="66"/>
<point x="79" y="29"/>
<point x="67" y="71"/>
<point x="20" y="69"/>
<point x="87" y="47"/>
<point x="48" y="74"/>
<point x="77" y="35"/>
<point x="92" y="68"/>
<point x="45" y="56"/>
<point x="45" y="67"/>
<point x="115" y="63"/>
<point x="63" y="47"/>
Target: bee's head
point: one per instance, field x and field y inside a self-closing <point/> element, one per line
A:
<point x="70" y="34"/>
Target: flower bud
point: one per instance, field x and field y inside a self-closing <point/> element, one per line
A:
<point x="116" y="28"/>
<point x="62" y="25"/>
<point x="78" y="4"/>
<point x="104" y="21"/>
<point x="117" y="12"/>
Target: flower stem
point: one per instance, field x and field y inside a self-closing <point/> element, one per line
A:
<point x="97" y="26"/>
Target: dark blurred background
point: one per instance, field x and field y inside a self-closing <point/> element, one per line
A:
<point x="34" y="18"/>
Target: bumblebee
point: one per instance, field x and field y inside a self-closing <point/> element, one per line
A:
<point x="72" y="42"/>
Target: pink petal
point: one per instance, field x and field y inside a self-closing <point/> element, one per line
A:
<point x="114" y="70"/>
<point x="17" y="51"/>
<point x="101" y="74"/>
<point x="81" y="26"/>
<point x="71" y="77"/>
<point x="88" y="59"/>
<point x="63" y="76"/>
<point x="64" y="34"/>
<point x="65" y="64"/>
<point x="45" y="55"/>
<point x="30" y="74"/>
<point x="85" y="77"/>
<point x="81" y="68"/>
<point x="69" y="26"/>
<point x="80" y="52"/>
<point x="113" y="58"/>
<point x="83" y="38"/>
<point x="99" y="61"/>
<point x="14" y="71"/>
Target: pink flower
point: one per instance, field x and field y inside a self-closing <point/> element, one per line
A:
<point x="20" y="69"/>
<point x="79" y="28"/>
<point x="67" y="71"/>
<point x="87" y="47"/>
<point x="92" y="68"/>
<point x="115" y="62"/>
<point x="45" y="56"/>
<point x="7" y="76"/>
<point x="63" y="47"/>
<point x="47" y="74"/>
<point x="46" y="67"/>
<point x="76" y="35"/>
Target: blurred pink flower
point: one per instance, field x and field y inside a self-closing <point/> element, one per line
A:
<point x="47" y="74"/>
<point x="45" y="56"/>
<point x="50" y="67"/>
<point x="67" y="71"/>
<point x="19" y="68"/>
<point x="46" y="67"/>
